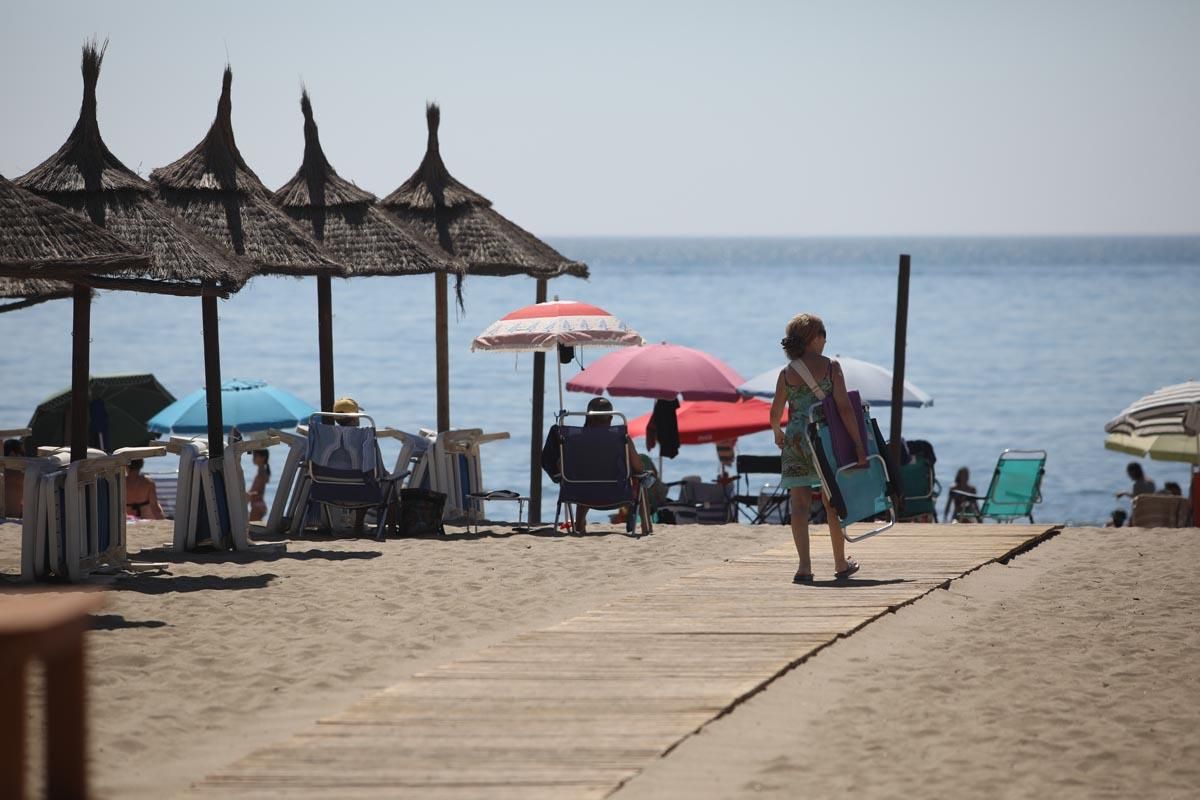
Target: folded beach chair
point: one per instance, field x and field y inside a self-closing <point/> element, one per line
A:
<point x="856" y="493"/>
<point x="344" y="470"/>
<point x="595" y="470"/>
<point x="759" y="507"/>
<point x="1016" y="486"/>
<point x="74" y="521"/>
<point x="1160" y="511"/>
<point x="210" y="495"/>
<point x="921" y="490"/>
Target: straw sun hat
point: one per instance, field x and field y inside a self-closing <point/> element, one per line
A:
<point x="346" y="405"/>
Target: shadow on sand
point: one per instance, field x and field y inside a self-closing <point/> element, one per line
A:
<point x="114" y="622"/>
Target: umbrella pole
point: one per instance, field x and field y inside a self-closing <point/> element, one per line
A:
<point x="535" y="430"/>
<point x="80" y="352"/>
<point x="898" y="358"/>
<point x="442" y="345"/>
<point x="325" y="339"/>
<point x="212" y="376"/>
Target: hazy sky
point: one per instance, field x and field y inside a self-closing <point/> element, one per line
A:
<point x="641" y="118"/>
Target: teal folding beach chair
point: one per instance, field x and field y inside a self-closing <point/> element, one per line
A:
<point x="921" y="490"/>
<point x="1016" y="486"/>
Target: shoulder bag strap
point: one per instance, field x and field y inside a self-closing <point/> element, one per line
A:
<point x="802" y="370"/>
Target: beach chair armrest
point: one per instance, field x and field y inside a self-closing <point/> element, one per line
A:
<point x="967" y="495"/>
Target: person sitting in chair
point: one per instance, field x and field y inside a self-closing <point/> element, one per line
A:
<point x="141" y="495"/>
<point x="604" y="420"/>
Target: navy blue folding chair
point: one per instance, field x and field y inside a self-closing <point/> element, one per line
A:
<point x="594" y="470"/>
<point x="345" y="466"/>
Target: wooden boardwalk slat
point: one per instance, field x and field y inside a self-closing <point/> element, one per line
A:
<point x="576" y="709"/>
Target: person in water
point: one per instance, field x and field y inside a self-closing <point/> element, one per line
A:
<point x="141" y="495"/>
<point x="805" y="346"/>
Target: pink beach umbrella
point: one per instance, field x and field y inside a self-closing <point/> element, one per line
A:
<point x="544" y="326"/>
<point x="661" y="371"/>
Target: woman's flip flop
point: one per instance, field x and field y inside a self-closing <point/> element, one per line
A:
<point x="851" y="568"/>
<point x="802" y="578"/>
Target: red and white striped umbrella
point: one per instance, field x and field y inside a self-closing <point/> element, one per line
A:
<point x="544" y="326"/>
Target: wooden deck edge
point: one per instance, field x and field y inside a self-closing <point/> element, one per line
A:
<point x="1005" y="558"/>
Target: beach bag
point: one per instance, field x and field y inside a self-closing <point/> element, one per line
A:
<point x="421" y="512"/>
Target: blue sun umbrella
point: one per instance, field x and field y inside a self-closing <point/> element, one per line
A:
<point x="248" y="405"/>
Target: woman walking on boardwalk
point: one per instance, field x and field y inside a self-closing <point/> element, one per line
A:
<point x="797" y="387"/>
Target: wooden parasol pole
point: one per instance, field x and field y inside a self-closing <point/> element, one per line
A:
<point x="442" y="345"/>
<point x="325" y="339"/>
<point x="81" y="333"/>
<point x="535" y="436"/>
<point x="212" y="376"/>
<point x="898" y="359"/>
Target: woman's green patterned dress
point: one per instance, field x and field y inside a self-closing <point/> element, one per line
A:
<point x="798" y="469"/>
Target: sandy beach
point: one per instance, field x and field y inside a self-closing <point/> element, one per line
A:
<point x="1070" y="671"/>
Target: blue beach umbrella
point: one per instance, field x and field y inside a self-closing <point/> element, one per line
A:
<point x="871" y="381"/>
<point x="248" y="405"/>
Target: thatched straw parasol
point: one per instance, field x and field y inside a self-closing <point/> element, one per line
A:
<point x="345" y="220"/>
<point x="26" y="293"/>
<point x="213" y="189"/>
<point x="464" y="223"/>
<point x="39" y="240"/>
<point x="85" y="177"/>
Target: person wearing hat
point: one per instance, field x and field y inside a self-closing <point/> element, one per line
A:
<point x="347" y="405"/>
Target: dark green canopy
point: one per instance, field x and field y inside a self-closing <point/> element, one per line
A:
<point x="120" y="407"/>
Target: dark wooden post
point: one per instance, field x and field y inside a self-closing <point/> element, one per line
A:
<point x="212" y="376"/>
<point x="535" y="436"/>
<point x="898" y="359"/>
<point x="66" y="719"/>
<point x="81" y="335"/>
<point x="442" y="345"/>
<point x="325" y="339"/>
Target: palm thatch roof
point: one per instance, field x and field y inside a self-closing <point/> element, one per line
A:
<point x="26" y="293"/>
<point x="212" y="187"/>
<point x="464" y="223"/>
<point x="43" y="241"/>
<point x="345" y="220"/>
<point x="85" y="177"/>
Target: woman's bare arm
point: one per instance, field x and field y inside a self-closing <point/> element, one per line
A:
<point x="777" y="405"/>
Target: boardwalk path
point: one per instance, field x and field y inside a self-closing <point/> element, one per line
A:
<point x="577" y="709"/>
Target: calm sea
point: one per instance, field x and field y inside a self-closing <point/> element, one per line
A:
<point x="1023" y="343"/>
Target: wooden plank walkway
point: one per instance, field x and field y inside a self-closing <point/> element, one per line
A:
<point x="577" y="709"/>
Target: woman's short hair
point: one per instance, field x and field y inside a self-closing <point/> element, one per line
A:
<point x="801" y="330"/>
<point x="137" y="464"/>
<point x="1134" y="470"/>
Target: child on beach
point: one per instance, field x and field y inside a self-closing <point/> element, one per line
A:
<point x="804" y="345"/>
<point x="258" y="486"/>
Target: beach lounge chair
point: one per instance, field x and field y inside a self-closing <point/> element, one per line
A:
<point x="451" y="463"/>
<point x="210" y="495"/>
<point x="1160" y="511"/>
<point x="344" y="470"/>
<point x="594" y="469"/>
<point x="757" y="507"/>
<point x="1016" y="486"/>
<point x="856" y="493"/>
